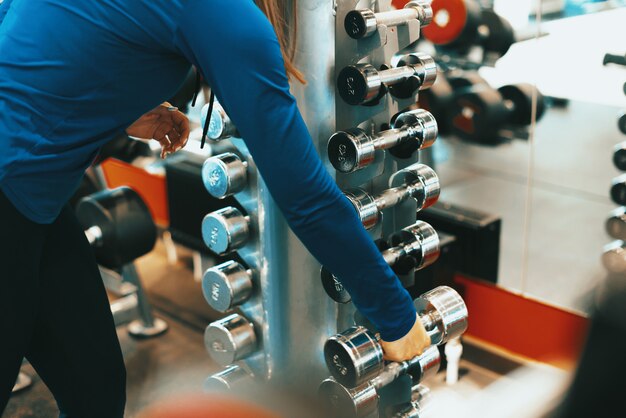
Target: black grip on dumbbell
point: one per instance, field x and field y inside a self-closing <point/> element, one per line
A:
<point x="521" y="95"/>
<point x="501" y="34"/>
<point x="408" y="87"/>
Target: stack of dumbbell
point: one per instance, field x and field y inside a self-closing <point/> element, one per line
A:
<point x="467" y="107"/>
<point x="462" y="29"/>
<point x="375" y="157"/>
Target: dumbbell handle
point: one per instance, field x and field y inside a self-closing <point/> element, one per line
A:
<point x="392" y="137"/>
<point x="395" y="195"/>
<point x="394" y="370"/>
<point x="397" y="17"/>
<point x="94" y="235"/>
<point x="395" y="75"/>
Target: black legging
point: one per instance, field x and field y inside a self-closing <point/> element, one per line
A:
<point x="54" y="311"/>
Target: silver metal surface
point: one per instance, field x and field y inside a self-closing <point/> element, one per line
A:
<point x="146" y="326"/>
<point x="224" y="175"/>
<point x="426" y="243"/>
<point x="359" y="402"/>
<point x="418" y="181"/>
<point x="225" y="230"/>
<point x="443" y="312"/>
<point x="220" y="126"/>
<point x="227" y="285"/>
<point x="230" y="378"/>
<point x="94" y="235"/>
<point x="424" y="67"/>
<point x="418" y="124"/>
<point x="230" y="339"/>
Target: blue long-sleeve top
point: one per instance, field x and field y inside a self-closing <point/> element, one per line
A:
<point x="73" y="74"/>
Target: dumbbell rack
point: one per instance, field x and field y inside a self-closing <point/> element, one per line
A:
<point x="291" y="314"/>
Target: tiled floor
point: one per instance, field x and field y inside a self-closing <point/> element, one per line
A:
<point x="568" y="200"/>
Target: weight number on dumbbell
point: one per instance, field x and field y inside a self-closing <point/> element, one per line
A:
<point x="363" y="23"/>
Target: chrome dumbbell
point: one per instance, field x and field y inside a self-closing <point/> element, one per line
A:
<point x="224" y="175"/>
<point x="363" y="83"/>
<point x="363" y="23"/>
<point x="230" y="339"/>
<point x="614" y="257"/>
<point x="227" y="285"/>
<point x="418" y="407"/>
<point x="220" y="126"/>
<point x="417" y="181"/>
<point x="231" y="377"/>
<point x="356" y="356"/>
<point x="361" y="401"/>
<point x="616" y="223"/>
<point x="353" y="149"/>
<point x="225" y="230"/>
<point x="415" y="247"/>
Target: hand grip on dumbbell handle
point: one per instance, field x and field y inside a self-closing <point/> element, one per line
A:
<point x="421" y="367"/>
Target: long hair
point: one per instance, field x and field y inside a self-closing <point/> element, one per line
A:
<point x="286" y="29"/>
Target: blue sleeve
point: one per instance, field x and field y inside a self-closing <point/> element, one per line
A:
<point x="236" y="48"/>
<point x="4" y="8"/>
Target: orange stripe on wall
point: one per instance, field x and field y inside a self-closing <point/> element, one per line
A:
<point x="521" y="325"/>
<point x="151" y="187"/>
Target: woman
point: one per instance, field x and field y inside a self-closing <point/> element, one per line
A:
<point x="75" y="73"/>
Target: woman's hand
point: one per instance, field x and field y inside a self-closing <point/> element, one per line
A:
<point x="166" y="124"/>
<point x="409" y="346"/>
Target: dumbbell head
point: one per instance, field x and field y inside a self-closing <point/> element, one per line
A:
<point x="619" y="152"/>
<point x="359" y="83"/>
<point x="125" y="225"/>
<point x="224" y="175"/>
<point x="220" y="126"/>
<point x="418" y="119"/>
<point x="333" y="287"/>
<point x="478" y="114"/>
<point x="500" y="34"/>
<point x="354" y="356"/>
<point x="350" y="150"/>
<point x="455" y="24"/>
<point x="521" y="97"/>
<point x="426" y="70"/>
<point x="614" y="257"/>
<point x="342" y="402"/>
<point x="448" y="311"/>
<point x="618" y="190"/>
<point x="230" y="339"/>
<point x="424" y="183"/>
<point x="616" y="223"/>
<point x="365" y="205"/>
<point x="421" y="242"/>
<point x="621" y="122"/>
<point x="227" y="285"/>
<point x="360" y="23"/>
<point x="225" y="230"/>
<point x="231" y="377"/>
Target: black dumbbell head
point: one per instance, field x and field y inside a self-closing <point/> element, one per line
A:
<point x="619" y="154"/>
<point x="621" y="123"/>
<point x="333" y="287"/>
<point x="350" y="150"/>
<point x="618" y="190"/>
<point x="478" y="114"/>
<point x="500" y="33"/>
<point x="616" y="224"/>
<point x="521" y="95"/>
<point x="128" y="231"/>
<point x="464" y="79"/>
<point x="358" y="84"/>
<point x="360" y="23"/>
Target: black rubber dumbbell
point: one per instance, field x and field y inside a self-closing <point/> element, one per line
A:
<point x="619" y="156"/>
<point x="616" y="224"/>
<point x="439" y="99"/>
<point x="355" y="149"/>
<point x="459" y="25"/>
<point x="479" y="113"/>
<point x="618" y="190"/>
<point x="118" y="225"/>
<point x="621" y="121"/>
<point x="363" y="84"/>
<point x="415" y="247"/>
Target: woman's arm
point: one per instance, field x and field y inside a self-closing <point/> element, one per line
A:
<point x="4" y="8"/>
<point x="236" y="49"/>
